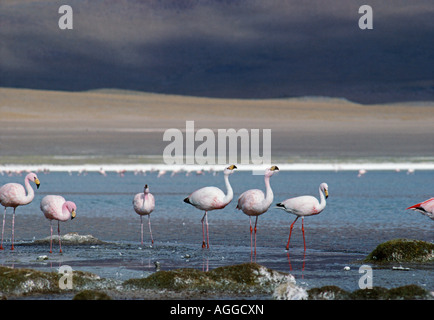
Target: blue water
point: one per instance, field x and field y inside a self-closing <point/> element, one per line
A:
<point x="360" y="214"/>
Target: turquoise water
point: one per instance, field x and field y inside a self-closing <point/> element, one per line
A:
<point x="360" y="214"/>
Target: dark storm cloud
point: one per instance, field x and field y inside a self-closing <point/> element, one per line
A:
<point x="241" y="49"/>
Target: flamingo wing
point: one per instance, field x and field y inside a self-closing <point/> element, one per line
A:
<point x="301" y="206"/>
<point x="51" y="206"/>
<point x="251" y="202"/>
<point x="207" y="198"/>
<point x="138" y="202"/>
<point x="11" y="194"/>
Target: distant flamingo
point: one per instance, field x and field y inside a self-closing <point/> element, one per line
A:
<point x="254" y="203"/>
<point x="14" y="195"/>
<point x="144" y="204"/>
<point x="304" y="206"/>
<point x="211" y="198"/>
<point x="426" y="208"/>
<point x="57" y="208"/>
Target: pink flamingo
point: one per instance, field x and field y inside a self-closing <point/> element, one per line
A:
<point x="304" y="206"/>
<point x="57" y="208"/>
<point x="144" y="204"/>
<point x="426" y="208"/>
<point x="14" y="195"/>
<point x="254" y="203"/>
<point x="211" y="198"/>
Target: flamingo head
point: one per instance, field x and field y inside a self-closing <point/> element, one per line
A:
<point x="230" y="169"/>
<point x="71" y="207"/>
<point x="324" y="188"/>
<point x="146" y="189"/>
<point x="33" y="177"/>
<point x="270" y="171"/>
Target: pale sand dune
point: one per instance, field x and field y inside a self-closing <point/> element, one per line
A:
<point x="123" y="123"/>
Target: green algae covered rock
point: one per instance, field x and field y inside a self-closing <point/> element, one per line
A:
<point x="23" y="281"/>
<point x="91" y="295"/>
<point x="408" y="292"/>
<point x="402" y="250"/>
<point x="328" y="293"/>
<point x="245" y="278"/>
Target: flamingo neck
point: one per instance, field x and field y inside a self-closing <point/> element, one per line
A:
<point x="230" y="194"/>
<point x="269" y="196"/>
<point x="145" y="198"/>
<point x="65" y="212"/>
<point x="322" y="203"/>
<point x="30" y="193"/>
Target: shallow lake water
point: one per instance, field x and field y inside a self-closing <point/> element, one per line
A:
<point x="360" y="214"/>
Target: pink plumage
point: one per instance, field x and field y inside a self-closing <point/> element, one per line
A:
<point x="211" y="198"/>
<point x="254" y="203"/>
<point x="57" y="208"/>
<point x="14" y="195"/>
<point x="304" y="206"/>
<point x="426" y="208"/>
<point x="144" y="204"/>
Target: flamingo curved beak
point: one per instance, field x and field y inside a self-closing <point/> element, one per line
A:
<point x="326" y="192"/>
<point x="73" y="214"/>
<point x="274" y="168"/>
<point x="37" y="183"/>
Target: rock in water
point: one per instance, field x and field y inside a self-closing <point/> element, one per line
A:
<point x="72" y="238"/>
<point x="402" y="250"/>
<point x="289" y="291"/>
<point x="243" y="279"/>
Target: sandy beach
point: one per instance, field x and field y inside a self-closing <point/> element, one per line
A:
<point x="128" y="126"/>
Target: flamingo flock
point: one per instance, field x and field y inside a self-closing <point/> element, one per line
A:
<point x="253" y="203"/>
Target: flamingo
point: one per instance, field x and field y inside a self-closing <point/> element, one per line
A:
<point x="304" y="206"/>
<point x="14" y="195"/>
<point x="144" y="204"/>
<point x="254" y="203"/>
<point x="211" y="198"/>
<point x="426" y="207"/>
<point x="57" y="208"/>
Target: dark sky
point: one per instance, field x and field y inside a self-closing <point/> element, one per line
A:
<point x="240" y="49"/>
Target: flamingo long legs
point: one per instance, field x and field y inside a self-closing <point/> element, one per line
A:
<point x="251" y="231"/>
<point x="205" y="217"/>
<point x="58" y="233"/>
<point x="150" y="231"/>
<point x="3" y="229"/>
<point x="141" y="227"/>
<point x="51" y="236"/>
<point x="13" y="229"/>
<point x="302" y="229"/>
